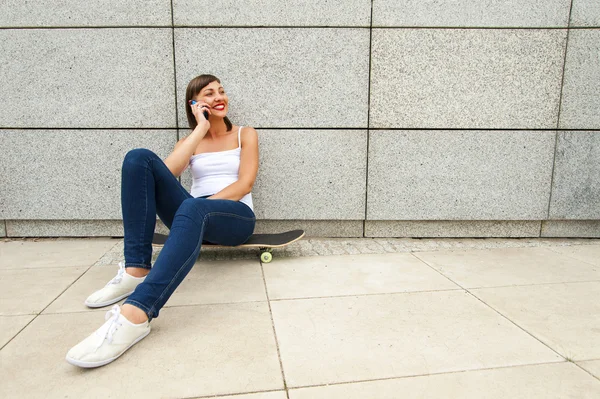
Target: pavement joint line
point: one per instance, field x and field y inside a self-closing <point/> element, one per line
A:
<point x="213" y="304"/>
<point x="534" y="284"/>
<point x="75" y="312"/>
<point x="368" y="294"/>
<point x="285" y="387"/>
<point x="575" y="362"/>
<point x="43" y="267"/>
<point x="498" y="312"/>
<point x="41" y="311"/>
<point x="429" y="374"/>
<point x="106" y="308"/>
<point x="19" y="332"/>
<point x="231" y="394"/>
<point x="433" y="290"/>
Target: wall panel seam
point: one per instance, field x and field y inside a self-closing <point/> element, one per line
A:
<point x="174" y="71"/>
<point x="556" y="134"/>
<point x="312" y="128"/>
<point x="368" y="122"/>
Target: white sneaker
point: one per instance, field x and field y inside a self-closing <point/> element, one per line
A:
<point x="109" y="342"/>
<point x="121" y="286"/>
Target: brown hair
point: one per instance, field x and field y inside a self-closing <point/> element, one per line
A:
<point x="193" y="88"/>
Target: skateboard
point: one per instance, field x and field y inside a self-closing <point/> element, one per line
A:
<point x="264" y="242"/>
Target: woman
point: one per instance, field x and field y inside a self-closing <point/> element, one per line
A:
<point x="224" y="163"/>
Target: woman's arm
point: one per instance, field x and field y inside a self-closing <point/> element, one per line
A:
<point x="248" y="168"/>
<point x="178" y="160"/>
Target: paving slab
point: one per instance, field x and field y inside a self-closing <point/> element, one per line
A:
<point x="509" y="266"/>
<point x="72" y="300"/>
<point x="344" y="339"/>
<point x="563" y="316"/>
<point x="207" y="283"/>
<point x="29" y="291"/>
<point x="351" y="275"/>
<point x="11" y="325"/>
<point x="29" y="254"/>
<point x="225" y="281"/>
<point x="191" y="351"/>
<point x="584" y="253"/>
<point x="548" y="381"/>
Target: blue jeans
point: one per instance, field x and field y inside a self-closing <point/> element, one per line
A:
<point x="149" y="188"/>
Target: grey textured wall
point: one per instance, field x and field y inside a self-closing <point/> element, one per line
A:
<point x="375" y="118"/>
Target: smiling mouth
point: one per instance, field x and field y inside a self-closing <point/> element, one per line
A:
<point x="220" y="107"/>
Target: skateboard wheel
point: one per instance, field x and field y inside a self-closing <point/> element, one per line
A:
<point x="266" y="257"/>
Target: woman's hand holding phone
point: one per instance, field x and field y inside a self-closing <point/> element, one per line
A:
<point x="201" y="111"/>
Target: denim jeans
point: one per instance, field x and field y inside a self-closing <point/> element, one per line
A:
<point x="149" y="188"/>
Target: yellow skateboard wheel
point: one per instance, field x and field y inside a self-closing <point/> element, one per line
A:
<point x="266" y="257"/>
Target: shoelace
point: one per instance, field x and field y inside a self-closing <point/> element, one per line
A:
<point x="117" y="279"/>
<point x="108" y="329"/>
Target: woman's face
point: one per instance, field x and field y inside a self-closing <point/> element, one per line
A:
<point x="214" y="95"/>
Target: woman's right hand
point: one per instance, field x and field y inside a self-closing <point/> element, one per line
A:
<point x="197" y="110"/>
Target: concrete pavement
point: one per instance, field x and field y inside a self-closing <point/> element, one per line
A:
<point x="344" y="318"/>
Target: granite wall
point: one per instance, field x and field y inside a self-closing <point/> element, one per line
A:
<point x="383" y="118"/>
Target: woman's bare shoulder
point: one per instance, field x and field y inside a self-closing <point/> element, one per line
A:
<point x="248" y="137"/>
<point x="248" y="131"/>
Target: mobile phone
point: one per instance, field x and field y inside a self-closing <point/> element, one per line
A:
<point x="205" y="112"/>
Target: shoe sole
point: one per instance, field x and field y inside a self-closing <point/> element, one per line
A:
<point x="103" y="304"/>
<point x="89" y="365"/>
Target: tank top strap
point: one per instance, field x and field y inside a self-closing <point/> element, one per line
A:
<point x="239" y="137"/>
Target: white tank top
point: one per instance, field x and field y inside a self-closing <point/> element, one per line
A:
<point x="213" y="171"/>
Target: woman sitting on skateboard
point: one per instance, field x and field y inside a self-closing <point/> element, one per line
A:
<point x="224" y="162"/>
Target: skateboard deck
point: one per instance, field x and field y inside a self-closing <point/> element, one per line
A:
<point x="265" y="242"/>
